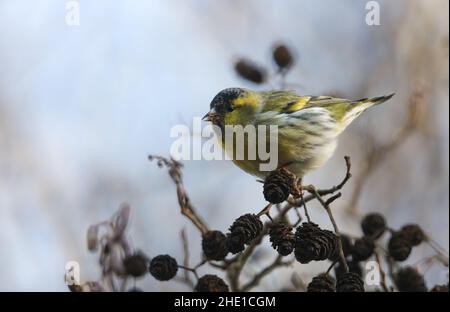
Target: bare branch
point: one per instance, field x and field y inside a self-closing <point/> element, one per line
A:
<point x="382" y="273"/>
<point x="186" y="277"/>
<point x="313" y="190"/>
<point x="183" y="200"/>
<point x="277" y="263"/>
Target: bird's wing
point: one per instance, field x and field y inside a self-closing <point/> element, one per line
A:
<point x="343" y="110"/>
<point x="283" y="101"/>
<point x="287" y="102"/>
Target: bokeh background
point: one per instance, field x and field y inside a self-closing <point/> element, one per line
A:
<point x="81" y="107"/>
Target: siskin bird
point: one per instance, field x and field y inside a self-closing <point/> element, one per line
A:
<point x="307" y="126"/>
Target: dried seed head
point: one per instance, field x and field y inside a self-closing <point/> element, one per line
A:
<point x="413" y="233"/>
<point x="408" y="279"/>
<point x="373" y="225"/>
<point x="235" y="243"/>
<point x="248" y="70"/>
<point x="211" y="283"/>
<point x="278" y="185"/>
<point x="349" y="282"/>
<point x="322" y="283"/>
<point x="214" y="245"/>
<point x="282" y="238"/>
<point x="313" y="243"/>
<point x="243" y="230"/>
<point x="363" y="249"/>
<point x="282" y="56"/>
<point x="399" y="247"/>
<point x="163" y="267"/>
<point x="136" y="265"/>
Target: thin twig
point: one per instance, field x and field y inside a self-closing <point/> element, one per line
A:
<point x="265" y="211"/>
<point x="183" y="200"/>
<point x="186" y="256"/>
<point x="264" y="272"/>
<point x="298" y="282"/>
<point x="382" y="273"/>
<point x="331" y="266"/>
<point x="440" y="251"/>
<point x="188" y="269"/>
<point x="304" y="203"/>
<point x="313" y="190"/>
<point x="235" y="267"/>
<point x="347" y="177"/>
<point x="300" y="201"/>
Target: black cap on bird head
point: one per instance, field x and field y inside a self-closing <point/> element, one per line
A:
<point x="222" y="104"/>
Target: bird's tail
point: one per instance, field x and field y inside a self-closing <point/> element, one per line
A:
<point x="380" y="99"/>
<point x="359" y="106"/>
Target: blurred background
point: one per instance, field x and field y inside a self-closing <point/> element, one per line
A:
<point x="81" y="107"/>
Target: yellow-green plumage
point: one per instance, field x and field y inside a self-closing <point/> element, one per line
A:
<point x="308" y="126"/>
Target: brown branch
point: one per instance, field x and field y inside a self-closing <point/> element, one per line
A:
<point x="326" y="205"/>
<point x="347" y="177"/>
<point x="183" y="200"/>
<point x="298" y="282"/>
<point x="308" y="218"/>
<point x="382" y="273"/>
<point x="331" y="266"/>
<point x="441" y="253"/>
<point x="299" y="202"/>
<point x="186" y="277"/>
<point x="236" y="266"/>
<point x="277" y="263"/>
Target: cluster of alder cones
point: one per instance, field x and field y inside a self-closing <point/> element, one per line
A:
<point x="308" y="243"/>
<point x="311" y="243"/>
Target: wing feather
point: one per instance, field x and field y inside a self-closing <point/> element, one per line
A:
<point x="289" y="102"/>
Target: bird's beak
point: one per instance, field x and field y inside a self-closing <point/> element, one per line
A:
<point x="207" y="117"/>
<point x="212" y="116"/>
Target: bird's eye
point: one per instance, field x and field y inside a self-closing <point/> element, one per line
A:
<point x="229" y="107"/>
